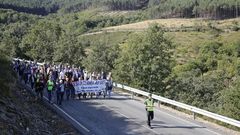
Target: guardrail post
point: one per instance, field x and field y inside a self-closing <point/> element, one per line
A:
<point x="194" y="115"/>
<point x="132" y="95"/>
<point x="159" y="103"/>
<point x="122" y="87"/>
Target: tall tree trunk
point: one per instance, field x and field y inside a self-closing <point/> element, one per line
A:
<point x="236" y="9"/>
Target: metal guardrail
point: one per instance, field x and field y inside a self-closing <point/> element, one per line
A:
<point x="174" y="103"/>
<point x="181" y="105"/>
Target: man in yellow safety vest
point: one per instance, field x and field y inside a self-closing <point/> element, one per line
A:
<point x="50" y="86"/>
<point x="149" y="108"/>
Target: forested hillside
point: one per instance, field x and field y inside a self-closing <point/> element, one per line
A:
<point x="44" y="7"/>
<point x="217" y="9"/>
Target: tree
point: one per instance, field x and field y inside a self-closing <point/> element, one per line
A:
<point x="201" y="91"/>
<point x="39" y="43"/>
<point x="69" y="50"/>
<point x="145" y="60"/>
<point x="230" y="99"/>
<point x="101" y="57"/>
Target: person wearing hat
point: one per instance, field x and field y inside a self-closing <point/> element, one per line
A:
<point x="149" y="109"/>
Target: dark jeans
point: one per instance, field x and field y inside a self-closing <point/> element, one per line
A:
<point x="32" y="84"/>
<point x="150" y="116"/>
<point x="72" y="93"/>
<point x="68" y="93"/>
<point x="109" y="93"/>
<point x="25" y="76"/>
<point x="60" y="97"/>
<point x="84" y="95"/>
<point x="39" y="92"/>
<point x="49" y="96"/>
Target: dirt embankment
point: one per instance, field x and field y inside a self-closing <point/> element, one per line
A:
<point x="22" y="114"/>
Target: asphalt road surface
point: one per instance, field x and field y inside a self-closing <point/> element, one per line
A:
<point x="121" y="115"/>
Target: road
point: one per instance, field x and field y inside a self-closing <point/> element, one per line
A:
<point x="121" y="115"/>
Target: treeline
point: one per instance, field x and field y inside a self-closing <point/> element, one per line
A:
<point x="126" y="4"/>
<point x="38" y="7"/>
<point x="104" y="4"/>
<point x="38" y="11"/>
<point x="45" y="7"/>
<point x="215" y="9"/>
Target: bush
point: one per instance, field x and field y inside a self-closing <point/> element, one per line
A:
<point x="235" y="28"/>
<point x="6" y="76"/>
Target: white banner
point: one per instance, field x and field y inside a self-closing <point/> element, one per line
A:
<point x="89" y="86"/>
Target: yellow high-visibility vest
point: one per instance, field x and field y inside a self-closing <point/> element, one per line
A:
<point x="50" y="85"/>
<point x="149" y="104"/>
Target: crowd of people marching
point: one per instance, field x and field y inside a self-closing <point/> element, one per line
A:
<point x="58" y="79"/>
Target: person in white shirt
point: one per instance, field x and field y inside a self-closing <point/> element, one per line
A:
<point x="62" y="75"/>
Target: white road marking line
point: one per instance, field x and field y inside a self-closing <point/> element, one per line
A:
<point x="69" y="116"/>
<point x="65" y="113"/>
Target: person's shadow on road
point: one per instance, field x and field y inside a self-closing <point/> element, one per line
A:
<point x="160" y="124"/>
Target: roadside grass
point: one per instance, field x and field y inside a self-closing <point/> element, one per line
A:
<point x="230" y="37"/>
<point x="110" y="38"/>
<point x="188" y="43"/>
<point x="118" y="13"/>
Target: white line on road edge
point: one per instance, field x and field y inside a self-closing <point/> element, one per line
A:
<point x="66" y="113"/>
<point x="70" y="116"/>
<point x="131" y="120"/>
